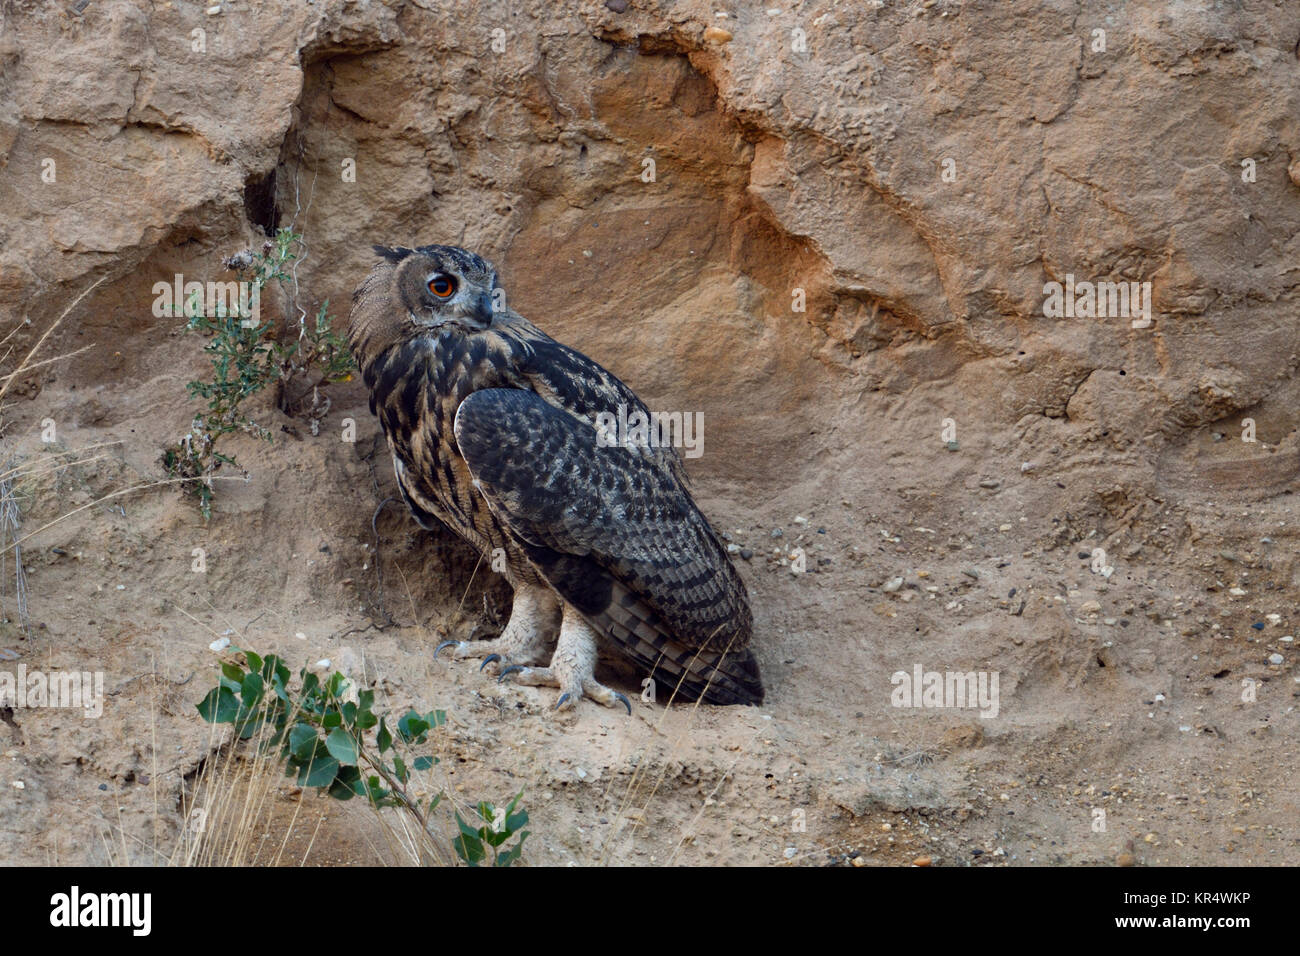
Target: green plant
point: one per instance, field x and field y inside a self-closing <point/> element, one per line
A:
<point x="330" y="739"/>
<point x="472" y="844"/>
<point x="246" y="357"/>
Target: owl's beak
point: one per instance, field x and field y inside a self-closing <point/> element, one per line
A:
<point x="481" y="310"/>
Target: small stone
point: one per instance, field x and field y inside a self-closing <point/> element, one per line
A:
<point x="733" y="549"/>
<point x="618" y="6"/>
<point x="1089" y="607"/>
<point x="1125" y="859"/>
<point x="921" y="861"/>
<point x="790" y="853"/>
<point x="952" y="446"/>
<point x="19" y="785"/>
<point x="971" y="573"/>
<point x="746" y="553"/>
<point x="219" y="645"/>
<point x="1237" y="592"/>
<point x="859" y="861"/>
<point x="990" y="483"/>
<point x="1004" y="527"/>
<point x="717" y="35"/>
<point x="778" y="533"/>
<point x="1275" y="658"/>
<point x="892" y="585"/>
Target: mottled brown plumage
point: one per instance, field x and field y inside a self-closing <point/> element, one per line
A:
<point x="491" y="423"/>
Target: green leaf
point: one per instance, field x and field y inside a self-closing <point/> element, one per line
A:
<point x="384" y="738"/>
<point x="302" y="741"/>
<point x="254" y="661"/>
<point x="512" y="855"/>
<point x="341" y="746"/>
<point x="319" y="772"/>
<point x="232" y="671"/>
<point x="412" y="726"/>
<point x="347" y="784"/>
<point x="424" y="763"/>
<point x="467" y="845"/>
<point x="219" y="707"/>
<point x="252" y="689"/>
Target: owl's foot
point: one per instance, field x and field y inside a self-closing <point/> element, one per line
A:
<point x="571" y="668"/>
<point x="533" y="619"/>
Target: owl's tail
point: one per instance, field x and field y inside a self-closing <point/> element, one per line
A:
<point x="728" y="676"/>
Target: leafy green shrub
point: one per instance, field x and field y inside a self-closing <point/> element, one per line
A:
<point x="246" y="357"/>
<point x="331" y="740"/>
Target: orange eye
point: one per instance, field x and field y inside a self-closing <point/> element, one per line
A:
<point x="442" y="286"/>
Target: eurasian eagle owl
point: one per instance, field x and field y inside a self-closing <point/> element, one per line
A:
<point x="492" y="426"/>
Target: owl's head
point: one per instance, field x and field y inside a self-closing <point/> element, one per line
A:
<point x="414" y="291"/>
<point x="441" y="286"/>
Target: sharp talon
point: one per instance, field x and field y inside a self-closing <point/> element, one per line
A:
<point x="442" y="645"/>
<point x="488" y="660"/>
<point x="626" y="702"/>
<point x="560" y="703"/>
<point x="509" y="670"/>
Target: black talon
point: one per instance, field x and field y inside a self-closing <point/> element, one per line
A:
<point x="488" y="660"/>
<point x="442" y="645"/>
<point x="509" y="670"/>
<point x="626" y="702"/>
<point x="560" y="703"/>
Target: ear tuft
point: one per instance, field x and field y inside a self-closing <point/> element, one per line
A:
<point x="393" y="254"/>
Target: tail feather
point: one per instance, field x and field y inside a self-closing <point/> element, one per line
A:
<point x="727" y="677"/>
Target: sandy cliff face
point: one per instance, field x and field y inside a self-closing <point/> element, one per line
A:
<point x="662" y="187"/>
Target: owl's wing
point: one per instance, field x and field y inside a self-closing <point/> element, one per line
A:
<point x="615" y="533"/>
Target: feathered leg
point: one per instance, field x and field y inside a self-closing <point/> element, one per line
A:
<point x="534" y="616"/>
<point x="572" y="667"/>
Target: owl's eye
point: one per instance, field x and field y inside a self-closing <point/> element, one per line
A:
<point x="442" y="286"/>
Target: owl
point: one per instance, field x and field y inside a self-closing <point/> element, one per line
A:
<point x="496" y="432"/>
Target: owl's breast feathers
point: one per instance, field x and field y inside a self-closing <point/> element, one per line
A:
<point x="494" y="434"/>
